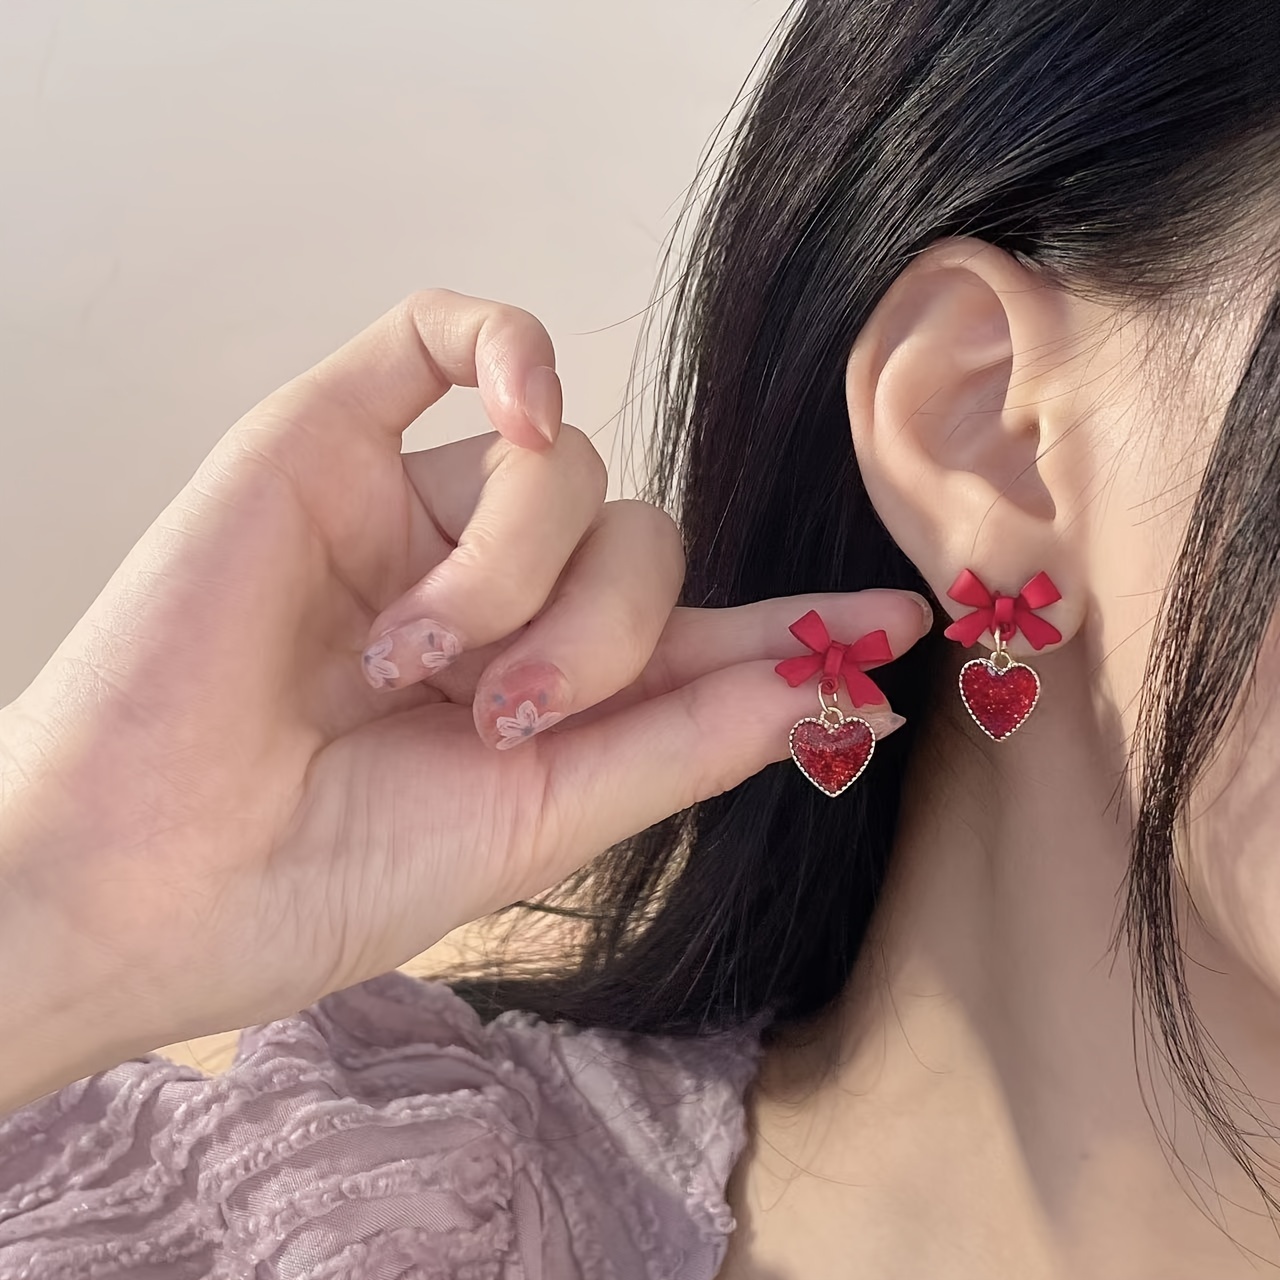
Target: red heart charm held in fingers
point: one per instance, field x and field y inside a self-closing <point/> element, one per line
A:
<point x="999" y="698"/>
<point x="832" y="756"/>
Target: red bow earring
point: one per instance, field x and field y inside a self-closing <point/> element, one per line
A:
<point x="1000" y="692"/>
<point x="833" y="749"/>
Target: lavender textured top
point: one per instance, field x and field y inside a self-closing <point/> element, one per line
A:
<point x="386" y="1134"/>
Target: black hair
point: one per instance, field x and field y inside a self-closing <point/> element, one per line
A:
<point x="1121" y="150"/>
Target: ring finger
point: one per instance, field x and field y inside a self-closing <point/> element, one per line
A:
<point x="597" y="633"/>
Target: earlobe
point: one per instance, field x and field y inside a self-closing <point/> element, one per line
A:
<point x="951" y="388"/>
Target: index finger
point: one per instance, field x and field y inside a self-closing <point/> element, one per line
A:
<point x="398" y="367"/>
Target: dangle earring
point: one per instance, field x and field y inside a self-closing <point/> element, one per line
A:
<point x="833" y="748"/>
<point x="999" y="692"/>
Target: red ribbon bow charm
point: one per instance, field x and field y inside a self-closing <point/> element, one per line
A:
<point x="835" y="660"/>
<point x="1004" y="616"/>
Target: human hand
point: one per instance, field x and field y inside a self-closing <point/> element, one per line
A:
<point x="211" y="809"/>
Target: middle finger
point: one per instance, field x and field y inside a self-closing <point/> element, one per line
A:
<point x="597" y="632"/>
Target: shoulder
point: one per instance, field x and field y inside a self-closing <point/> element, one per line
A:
<point x="388" y="1131"/>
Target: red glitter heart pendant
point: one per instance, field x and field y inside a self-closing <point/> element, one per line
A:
<point x="999" y="698"/>
<point x="832" y="756"/>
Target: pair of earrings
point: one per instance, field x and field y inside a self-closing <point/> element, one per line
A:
<point x="833" y="748"/>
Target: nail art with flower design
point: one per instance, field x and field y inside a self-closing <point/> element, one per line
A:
<point x="407" y="653"/>
<point x="515" y="703"/>
<point x="379" y="670"/>
<point x="528" y="720"/>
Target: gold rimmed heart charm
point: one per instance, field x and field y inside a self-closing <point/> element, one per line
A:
<point x="1000" y="696"/>
<point x="832" y="753"/>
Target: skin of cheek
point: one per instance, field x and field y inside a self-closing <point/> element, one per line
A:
<point x="1229" y="859"/>
<point x="1164" y="429"/>
<point x="1113" y="521"/>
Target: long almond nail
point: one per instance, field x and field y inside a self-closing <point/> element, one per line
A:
<point x="544" y="401"/>
<point x="521" y="703"/>
<point x="409" y="653"/>
<point x="883" y="721"/>
<point x="926" y="610"/>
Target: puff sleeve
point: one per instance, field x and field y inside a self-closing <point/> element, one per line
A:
<point x="387" y="1134"/>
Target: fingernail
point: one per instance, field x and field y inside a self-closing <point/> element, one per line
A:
<point x="544" y="401"/>
<point x="409" y="653"/>
<point x="925" y="608"/>
<point x="883" y="722"/>
<point x="520" y="703"/>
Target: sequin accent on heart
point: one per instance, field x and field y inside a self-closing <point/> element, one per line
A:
<point x="999" y="698"/>
<point x="832" y="756"/>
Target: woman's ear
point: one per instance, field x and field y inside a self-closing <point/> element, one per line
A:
<point x="962" y="391"/>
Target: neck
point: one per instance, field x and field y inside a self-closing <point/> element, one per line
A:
<point x="984" y="1112"/>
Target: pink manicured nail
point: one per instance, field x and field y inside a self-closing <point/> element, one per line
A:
<point x="926" y="610"/>
<point x="544" y="401"/>
<point x="520" y="703"/>
<point x="407" y="654"/>
<point x="883" y="721"/>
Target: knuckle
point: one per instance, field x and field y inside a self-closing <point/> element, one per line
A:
<point x="494" y="323"/>
<point x="664" y="545"/>
<point x="426" y="301"/>
<point x="419" y="318"/>
<point x="504" y="322"/>
<point x="589" y="468"/>
<point x="508" y="315"/>
<point x="632" y="584"/>
<point x="633" y="627"/>
<point x="513" y="585"/>
<point x="707" y="774"/>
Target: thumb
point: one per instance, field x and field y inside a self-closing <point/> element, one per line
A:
<point x="622" y="773"/>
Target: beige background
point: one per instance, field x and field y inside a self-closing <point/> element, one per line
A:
<point x="200" y="199"/>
